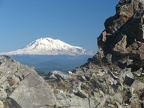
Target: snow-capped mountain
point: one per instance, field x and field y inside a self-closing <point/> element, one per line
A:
<point x="49" y="46"/>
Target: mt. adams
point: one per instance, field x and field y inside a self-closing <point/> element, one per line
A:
<point x="49" y="46"/>
<point x="47" y="54"/>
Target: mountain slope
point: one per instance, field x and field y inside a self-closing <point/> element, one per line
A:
<point x="49" y="46"/>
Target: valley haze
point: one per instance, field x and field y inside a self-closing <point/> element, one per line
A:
<point x="47" y="54"/>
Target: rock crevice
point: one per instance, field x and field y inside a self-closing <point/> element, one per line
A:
<point x="113" y="78"/>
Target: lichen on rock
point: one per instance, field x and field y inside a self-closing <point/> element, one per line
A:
<point x="113" y="78"/>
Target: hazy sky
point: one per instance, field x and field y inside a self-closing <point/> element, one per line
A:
<point x="77" y="22"/>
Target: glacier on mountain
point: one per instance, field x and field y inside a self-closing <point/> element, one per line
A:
<point x="49" y="46"/>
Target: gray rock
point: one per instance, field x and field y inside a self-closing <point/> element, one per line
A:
<point x="137" y="85"/>
<point x="81" y="77"/>
<point x="66" y="100"/>
<point x="3" y="94"/>
<point x="106" y="81"/>
<point x="22" y="87"/>
<point x="129" y="73"/>
<point x="118" y="97"/>
<point x="102" y="102"/>
<point x="33" y="92"/>
<point x="58" y="75"/>
<point x="118" y="105"/>
<point x="81" y="94"/>
<point x="1" y="104"/>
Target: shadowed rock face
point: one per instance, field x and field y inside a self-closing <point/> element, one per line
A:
<point x="123" y="36"/>
<point x="113" y="78"/>
<point x="117" y="69"/>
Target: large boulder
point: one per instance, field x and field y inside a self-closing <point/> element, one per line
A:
<point x="33" y="92"/>
<point x="22" y="87"/>
<point x="113" y="78"/>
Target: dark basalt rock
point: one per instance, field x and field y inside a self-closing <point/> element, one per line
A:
<point x="123" y="37"/>
<point x="113" y="78"/>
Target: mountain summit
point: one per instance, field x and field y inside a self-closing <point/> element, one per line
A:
<point x="49" y="46"/>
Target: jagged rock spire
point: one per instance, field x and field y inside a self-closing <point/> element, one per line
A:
<point x="123" y="37"/>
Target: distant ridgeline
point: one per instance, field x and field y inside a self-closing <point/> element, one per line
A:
<point x="47" y="63"/>
<point x="112" y="78"/>
<point x="47" y="54"/>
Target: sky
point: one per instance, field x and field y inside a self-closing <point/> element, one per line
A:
<point x="77" y="22"/>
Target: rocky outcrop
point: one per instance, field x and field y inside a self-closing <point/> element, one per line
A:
<point x="113" y="78"/>
<point x="93" y="86"/>
<point x="22" y="87"/>
<point x="123" y="37"/>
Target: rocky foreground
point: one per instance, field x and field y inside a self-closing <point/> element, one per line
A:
<point x="113" y="78"/>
